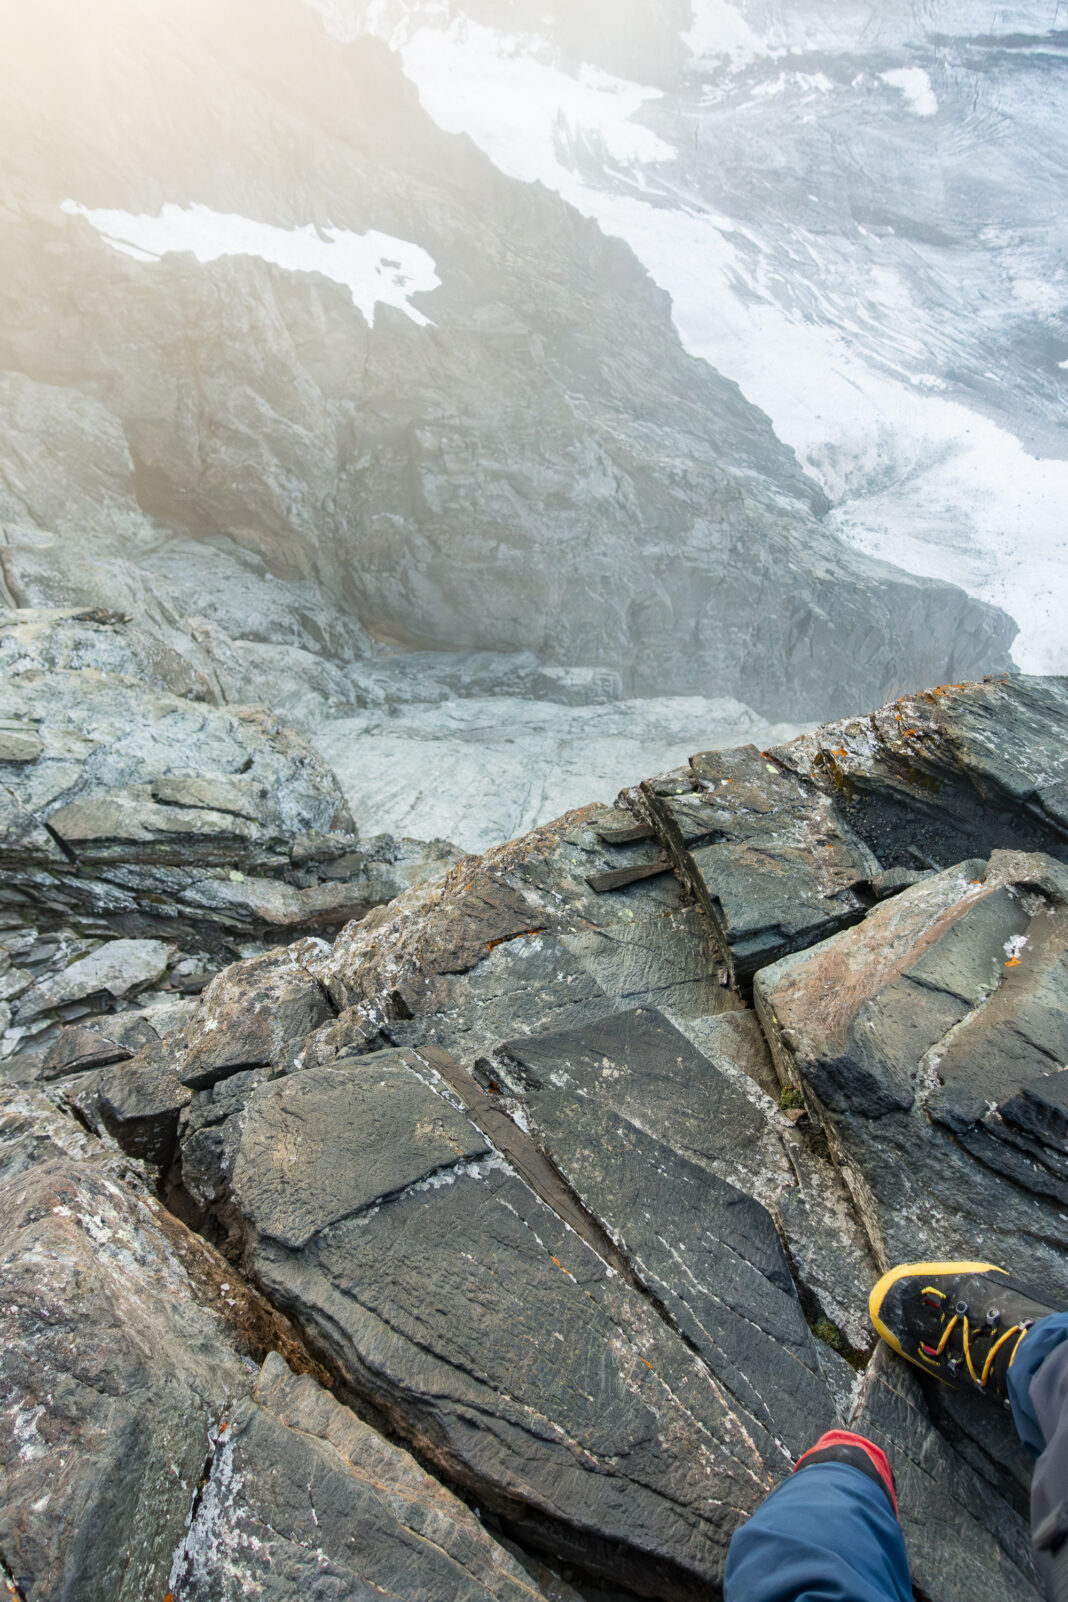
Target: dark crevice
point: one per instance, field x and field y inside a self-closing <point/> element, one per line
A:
<point x="71" y="855"/>
<point x="203" y="1481"/>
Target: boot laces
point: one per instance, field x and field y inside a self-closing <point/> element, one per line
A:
<point x="958" y="1318"/>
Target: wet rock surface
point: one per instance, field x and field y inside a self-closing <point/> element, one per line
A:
<point x="568" y="1176"/>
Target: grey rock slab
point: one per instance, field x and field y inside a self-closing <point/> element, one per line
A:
<point x="129" y="1347"/>
<point x="530" y="984"/>
<point x="209" y="1131"/>
<point x="708" y="1252"/>
<point x="110" y="823"/>
<point x="303" y="1499"/>
<point x="118" y="967"/>
<point x="514" y="941"/>
<point x="910" y="1033"/>
<point x="766" y="855"/>
<point x="328" y="1144"/>
<point x="640" y="946"/>
<point x="665" y="961"/>
<point x="95" y="1044"/>
<point x="500" y="1343"/>
<point x="20" y="744"/>
<point x="784" y="1167"/>
<point x="642" y="1066"/>
<point x="251" y="1013"/>
<point x="620" y="878"/>
<point x="210" y="794"/>
<point x="115" y="1365"/>
<point x="510" y="1136"/>
<point x="167" y="1017"/>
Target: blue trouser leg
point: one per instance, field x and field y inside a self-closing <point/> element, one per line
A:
<point x="827" y="1534"/>
<point x="1038" y="1391"/>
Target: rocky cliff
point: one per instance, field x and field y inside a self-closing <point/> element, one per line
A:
<point x="523" y="458"/>
<point x="516" y="1242"/>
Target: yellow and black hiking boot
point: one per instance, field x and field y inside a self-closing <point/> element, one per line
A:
<point x="962" y="1322"/>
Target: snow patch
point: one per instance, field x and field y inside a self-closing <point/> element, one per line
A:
<point x="915" y="85"/>
<point x="497" y="88"/>
<point x="719" y="29"/>
<point x="806" y="82"/>
<point x="377" y="269"/>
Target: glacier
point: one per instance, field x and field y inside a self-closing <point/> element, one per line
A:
<point x="783" y="190"/>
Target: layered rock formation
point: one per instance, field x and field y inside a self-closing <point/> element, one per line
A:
<point x="132" y="804"/>
<point x="567" y="1173"/>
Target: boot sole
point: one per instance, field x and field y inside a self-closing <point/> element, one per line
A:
<point x="907" y="1271"/>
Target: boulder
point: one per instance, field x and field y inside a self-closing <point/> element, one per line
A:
<point x="138" y="1103"/>
<point x="766" y="855"/>
<point x="929" y="1042"/>
<point x="118" y="967"/>
<point x="250" y="1014"/>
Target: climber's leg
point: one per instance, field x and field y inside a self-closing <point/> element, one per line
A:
<point x="1038" y="1391"/>
<point x="827" y="1534"/>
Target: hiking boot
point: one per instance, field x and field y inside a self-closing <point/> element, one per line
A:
<point x="962" y="1322"/>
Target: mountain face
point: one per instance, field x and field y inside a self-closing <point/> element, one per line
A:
<point x="522" y="458"/>
<point x="857" y="213"/>
<point x="381" y="1220"/>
